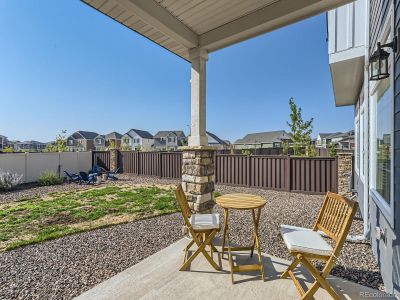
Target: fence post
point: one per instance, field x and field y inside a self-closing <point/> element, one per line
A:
<point x="113" y="159"/>
<point x="344" y="163"/>
<point x="248" y="170"/>
<point x="159" y="164"/>
<point x="288" y="173"/>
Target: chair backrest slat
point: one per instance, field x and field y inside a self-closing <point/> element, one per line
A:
<point x="336" y="216"/>
<point x="183" y="203"/>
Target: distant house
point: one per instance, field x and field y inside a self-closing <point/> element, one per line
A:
<point x="3" y="142"/>
<point x="324" y="139"/>
<point x="215" y="141"/>
<point x="27" y="146"/>
<point x="342" y="140"/>
<point x="113" y="139"/>
<point x="169" y="140"/>
<point x="86" y="141"/>
<point x="138" y="140"/>
<point x="270" y="139"/>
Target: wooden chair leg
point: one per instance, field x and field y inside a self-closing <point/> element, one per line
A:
<point x="201" y="249"/>
<point x="319" y="281"/>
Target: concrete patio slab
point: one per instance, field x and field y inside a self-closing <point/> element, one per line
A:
<point x="157" y="277"/>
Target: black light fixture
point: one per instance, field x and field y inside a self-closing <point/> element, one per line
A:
<point x="378" y="61"/>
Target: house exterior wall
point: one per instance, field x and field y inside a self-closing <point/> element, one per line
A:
<point x="382" y="225"/>
<point x="396" y="155"/>
<point x="147" y="144"/>
<point x="381" y="220"/>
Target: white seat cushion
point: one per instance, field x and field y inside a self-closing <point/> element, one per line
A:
<point x="305" y="240"/>
<point x="204" y="221"/>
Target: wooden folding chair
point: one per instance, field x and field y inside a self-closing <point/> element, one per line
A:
<point x="202" y="228"/>
<point x="305" y="245"/>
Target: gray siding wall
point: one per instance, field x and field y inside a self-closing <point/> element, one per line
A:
<point x="396" y="242"/>
<point x="387" y="254"/>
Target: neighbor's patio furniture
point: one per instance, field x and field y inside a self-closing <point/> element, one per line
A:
<point x="243" y="202"/>
<point x="305" y="245"/>
<point x="202" y="228"/>
<point x="110" y="175"/>
<point x="96" y="169"/>
<point x="87" y="178"/>
<point x="72" y="177"/>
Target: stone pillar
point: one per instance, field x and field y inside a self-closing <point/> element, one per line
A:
<point x="197" y="137"/>
<point x="344" y="173"/>
<point x="198" y="177"/>
<point x="113" y="159"/>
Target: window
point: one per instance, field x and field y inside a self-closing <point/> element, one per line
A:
<point x="382" y="148"/>
<point x="136" y="141"/>
<point x="171" y="140"/>
<point x="99" y="141"/>
<point x="71" y="142"/>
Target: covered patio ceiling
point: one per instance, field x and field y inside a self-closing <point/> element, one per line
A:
<point x="193" y="28"/>
<point x="180" y="25"/>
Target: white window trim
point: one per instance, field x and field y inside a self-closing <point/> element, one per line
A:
<point x="357" y="136"/>
<point x="362" y="141"/>
<point x="385" y="208"/>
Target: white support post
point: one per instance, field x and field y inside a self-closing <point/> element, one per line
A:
<point x="198" y="57"/>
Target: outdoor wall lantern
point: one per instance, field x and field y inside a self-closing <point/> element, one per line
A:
<point x="378" y="61"/>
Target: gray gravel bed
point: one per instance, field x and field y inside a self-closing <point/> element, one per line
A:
<point x="66" y="267"/>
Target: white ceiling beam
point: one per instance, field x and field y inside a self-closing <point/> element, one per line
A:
<point x="158" y="17"/>
<point x="268" y="18"/>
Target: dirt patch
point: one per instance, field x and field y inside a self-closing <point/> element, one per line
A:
<point x="60" y="218"/>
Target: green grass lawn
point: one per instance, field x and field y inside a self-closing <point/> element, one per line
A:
<point x="38" y="219"/>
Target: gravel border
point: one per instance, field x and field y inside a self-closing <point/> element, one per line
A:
<point x="66" y="267"/>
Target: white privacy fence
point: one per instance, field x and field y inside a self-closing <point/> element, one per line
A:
<point x="32" y="165"/>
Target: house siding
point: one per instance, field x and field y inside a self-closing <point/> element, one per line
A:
<point x="387" y="251"/>
<point x="396" y="242"/>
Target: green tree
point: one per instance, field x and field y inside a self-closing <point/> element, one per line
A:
<point x="60" y="145"/>
<point x="301" y="130"/>
<point x="8" y="149"/>
<point x="285" y="148"/>
<point x="332" y="149"/>
<point x="311" y="151"/>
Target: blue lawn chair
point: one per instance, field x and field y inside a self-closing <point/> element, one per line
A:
<point x="111" y="174"/>
<point x="87" y="178"/>
<point x="72" y="177"/>
<point x="96" y="170"/>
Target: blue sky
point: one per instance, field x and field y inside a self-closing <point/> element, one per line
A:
<point x="66" y="66"/>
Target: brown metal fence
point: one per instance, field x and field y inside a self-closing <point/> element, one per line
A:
<point x="294" y="174"/>
<point x="160" y="164"/>
<point x="101" y="158"/>
<point x="315" y="175"/>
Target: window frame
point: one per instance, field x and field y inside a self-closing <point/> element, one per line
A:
<point x="387" y="209"/>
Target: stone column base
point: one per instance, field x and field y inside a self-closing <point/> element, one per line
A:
<point x="344" y="173"/>
<point x="198" y="177"/>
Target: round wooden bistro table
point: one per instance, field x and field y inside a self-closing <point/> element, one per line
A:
<point x="243" y="202"/>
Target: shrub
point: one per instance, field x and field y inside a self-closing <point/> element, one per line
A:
<point x="332" y="150"/>
<point x="9" y="180"/>
<point x="49" y="178"/>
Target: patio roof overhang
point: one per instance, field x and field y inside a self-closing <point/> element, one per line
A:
<point x="180" y="25"/>
<point x="193" y="28"/>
